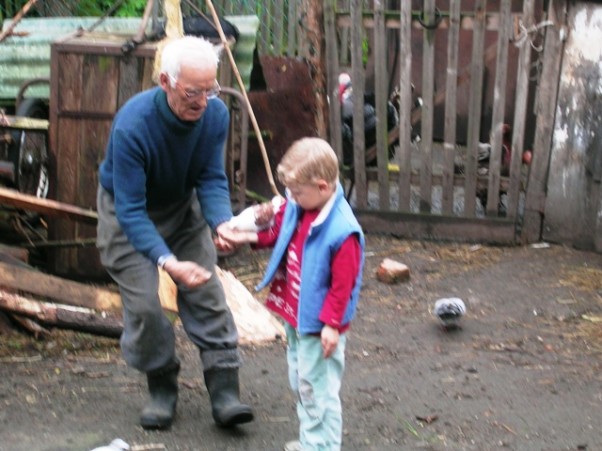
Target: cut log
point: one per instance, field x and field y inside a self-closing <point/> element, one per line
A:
<point x="64" y="316"/>
<point x="254" y="321"/>
<point x="255" y="324"/>
<point x="58" y="289"/>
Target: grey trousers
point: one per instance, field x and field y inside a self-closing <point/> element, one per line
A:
<point x="148" y="339"/>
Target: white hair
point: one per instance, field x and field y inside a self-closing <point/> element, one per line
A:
<point x="189" y="51"/>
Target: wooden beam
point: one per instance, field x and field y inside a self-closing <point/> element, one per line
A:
<point x="24" y="123"/>
<point x="439" y="227"/>
<point x="467" y="21"/>
<point x="46" y="206"/>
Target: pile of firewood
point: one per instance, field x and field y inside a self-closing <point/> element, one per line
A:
<point x="37" y="300"/>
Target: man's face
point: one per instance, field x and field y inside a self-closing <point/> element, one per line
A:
<point x="187" y="96"/>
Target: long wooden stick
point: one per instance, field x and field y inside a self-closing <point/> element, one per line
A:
<point x="264" y="153"/>
<point x="17" y="19"/>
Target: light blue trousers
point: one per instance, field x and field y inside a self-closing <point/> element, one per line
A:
<point x="317" y="383"/>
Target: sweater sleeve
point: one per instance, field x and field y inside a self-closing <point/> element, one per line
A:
<point x="212" y="183"/>
<point x="344" y="269"/>
<point x="129" y="185"/>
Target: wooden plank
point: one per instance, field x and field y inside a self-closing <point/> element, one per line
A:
<point x="24" y="123"/>
<point x="428" y="108"/>
<point x="147" y="76"/>
<point x="100" y="83"/>
<point x="101" y="43"/>
<point x="405" y="86"/>
<point x="68" y="81"/>
<point x="499" y="104"/>
<point x="358" y="77"/>
<point x="520" y="112"/>
<point x="381" y="97"/>
<point x="332" y="73"/>
<point x="65" y="169"/>
<point x="438" y="227"/>
<point x="451" y="89"/>
<point x="46" y="206"/>
<point x="57" y="289"/>
<point x="130" y="78"/>
<point x="94" y="137"/>
<point x="545" y="109"/>
<point x="474" y="109"/>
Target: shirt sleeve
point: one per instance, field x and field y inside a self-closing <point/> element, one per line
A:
<point x="344" y="269"/>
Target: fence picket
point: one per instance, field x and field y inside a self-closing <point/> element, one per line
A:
<point x="381" y="95"/>
<point x="428" y="88"/>
<point x="520" y="112"/>
<point x="358" y="77"/>
<point x="449" y="145"/>
<point x="474" y="109"/>
<point x="404" y="150"/>
<point x="499" y="102"/>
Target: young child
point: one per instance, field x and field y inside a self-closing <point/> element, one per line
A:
<point x="315" y="272"/>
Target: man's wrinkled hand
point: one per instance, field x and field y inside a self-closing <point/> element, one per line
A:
<point x="188" y="273"/>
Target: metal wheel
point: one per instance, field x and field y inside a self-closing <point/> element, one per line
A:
<point x="29" y="152"/>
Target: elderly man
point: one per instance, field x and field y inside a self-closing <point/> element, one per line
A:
<point x="162" y="191"/>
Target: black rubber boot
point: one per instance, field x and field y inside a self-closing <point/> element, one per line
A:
<point x="222" y="385"/>
<point x="163" y="389"/>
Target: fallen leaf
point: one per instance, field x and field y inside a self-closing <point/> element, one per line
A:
<point x="428" y="419"/>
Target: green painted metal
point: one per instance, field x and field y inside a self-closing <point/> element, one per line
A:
<point x="26" y="54"/>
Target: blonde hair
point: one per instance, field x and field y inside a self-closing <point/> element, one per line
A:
<point x="308" y="160"/>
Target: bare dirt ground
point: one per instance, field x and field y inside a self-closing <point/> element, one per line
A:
<point x="523" y="373"/>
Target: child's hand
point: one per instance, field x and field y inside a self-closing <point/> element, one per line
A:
<point x="264" y="213"/>
<point x="330" y="340"/>
<point x="228" y="239"/>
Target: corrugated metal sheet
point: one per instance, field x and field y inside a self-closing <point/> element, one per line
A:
<point x="26" y="54"/>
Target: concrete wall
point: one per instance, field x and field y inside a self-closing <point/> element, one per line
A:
<point x="573" y="209"/>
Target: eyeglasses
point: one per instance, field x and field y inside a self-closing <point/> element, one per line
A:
<point x="192" y="93"/>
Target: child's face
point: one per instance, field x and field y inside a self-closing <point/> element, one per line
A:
<point x="311" y="196"/>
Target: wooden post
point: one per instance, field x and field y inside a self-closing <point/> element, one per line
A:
<point x="311" y="47"/>
<point x="358" y="80"/>
<point x="520" y="112"/>
<point x="545" y="109"/>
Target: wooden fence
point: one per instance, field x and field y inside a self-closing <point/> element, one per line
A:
<point x="442" y="187"/>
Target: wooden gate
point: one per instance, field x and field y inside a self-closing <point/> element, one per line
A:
<point x="487" y="75"/>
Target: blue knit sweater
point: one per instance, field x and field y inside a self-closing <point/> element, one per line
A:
<point x="154" y="159"/>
